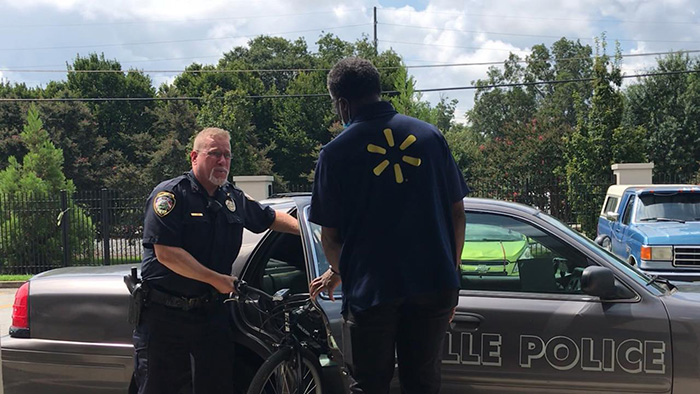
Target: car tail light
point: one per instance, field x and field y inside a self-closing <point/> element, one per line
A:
<point x="20" y="313"/>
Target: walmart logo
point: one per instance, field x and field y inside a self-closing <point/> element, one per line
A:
<point x="398" y="174"/>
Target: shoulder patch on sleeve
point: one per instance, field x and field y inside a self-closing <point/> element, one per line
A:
<point x="163" y="203"/>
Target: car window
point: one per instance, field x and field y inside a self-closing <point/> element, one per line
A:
<point x="627" y="215"/>
<point x="674" y="206"/>
<point x="631" y="272"/>
<point x="502" y="253"/>
<point x="610" y="204"/>
<point x="320" y="261"/>
<point x="284" y="266"/>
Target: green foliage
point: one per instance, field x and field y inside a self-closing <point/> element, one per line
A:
<point x="408" y="102"/>
<point x="466" y="147"/>
<point x="30" y="190"/>
<point x="667" y="106"/>
<point x="229" y="111"/>
<point x="117" y="121"/>
<point x="589" y="150"/>
<point x="176" y="123"/>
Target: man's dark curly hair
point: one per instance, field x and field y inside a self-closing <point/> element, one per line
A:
<point x="354" y="78"/>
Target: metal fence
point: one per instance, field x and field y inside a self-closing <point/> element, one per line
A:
<point x="41" y="232"/>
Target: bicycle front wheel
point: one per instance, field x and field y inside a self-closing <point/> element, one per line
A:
<point x="282" y="374"/>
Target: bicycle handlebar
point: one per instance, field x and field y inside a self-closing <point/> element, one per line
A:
<point x="242" y="287"/>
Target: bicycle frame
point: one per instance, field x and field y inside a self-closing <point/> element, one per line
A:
<point x="299" y="330"/>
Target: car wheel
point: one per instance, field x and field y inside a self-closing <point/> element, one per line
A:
<point x="606" y="244"/>
<point x="632" y="261"/>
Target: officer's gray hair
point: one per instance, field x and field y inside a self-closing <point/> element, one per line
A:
<point x="209" y="132"/>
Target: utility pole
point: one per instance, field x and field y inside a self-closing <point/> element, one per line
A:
<point x="376" y="52"/>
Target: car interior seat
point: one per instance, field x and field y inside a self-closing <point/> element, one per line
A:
<point x="537" y="275"/>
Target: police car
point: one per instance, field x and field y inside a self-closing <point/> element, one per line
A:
<point x="566" y="317"/>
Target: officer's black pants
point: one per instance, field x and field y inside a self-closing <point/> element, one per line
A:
<point x="412" y="329"/>
<point x="183" y="352"/>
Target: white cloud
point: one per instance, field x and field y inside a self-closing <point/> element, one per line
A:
<point x="436" y="32"/>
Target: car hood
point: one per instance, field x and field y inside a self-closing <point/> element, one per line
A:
<point x="671" y="233"/>
<point x="492" y="251"/>
<point x="684" y="303"/>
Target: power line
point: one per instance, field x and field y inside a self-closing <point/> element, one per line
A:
<point x="121" y="61"/>
<point x="181" y="41"/>
<point x="237" y="71"/>
<point x="139" y="22"/>
<point x="315" y="95"/>
<point x="524" y="35"/>
<point x="445" y="46"/>
<point x="535" y="17"/>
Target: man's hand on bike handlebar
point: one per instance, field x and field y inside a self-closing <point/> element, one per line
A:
<point x="224" y="283"/>
<point x="328" y="281"/>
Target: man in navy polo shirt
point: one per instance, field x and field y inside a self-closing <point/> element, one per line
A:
<point x="192" y="233"/>
<point x="388" y="195"/>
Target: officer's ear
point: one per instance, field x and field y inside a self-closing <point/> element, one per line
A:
<point x="193" y="156"/>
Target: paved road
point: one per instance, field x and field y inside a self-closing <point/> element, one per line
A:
<point x="7" y="297"/>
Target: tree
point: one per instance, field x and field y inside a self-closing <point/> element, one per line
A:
<point x="589" y="149"/>
<point x="666" y="106"/>
<point x="29" y="234"/>
<point x="176" y="122"/>
<point x="117" y="120"/>
<point x="229" y="111"/>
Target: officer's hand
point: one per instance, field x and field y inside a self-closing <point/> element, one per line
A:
<point x="328" y="281"/>
<point x="224" y="284"/>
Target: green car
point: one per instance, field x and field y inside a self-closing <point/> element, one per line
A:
<point x="492" y="250"/>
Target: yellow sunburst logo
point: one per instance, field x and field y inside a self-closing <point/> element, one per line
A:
<point x="398" y="174"/>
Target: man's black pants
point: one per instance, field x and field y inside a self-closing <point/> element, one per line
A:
<point x="181" y="352"/>
<point x="413" y="329"/>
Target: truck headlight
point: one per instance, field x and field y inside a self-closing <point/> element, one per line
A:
<point x="657" y="253"/>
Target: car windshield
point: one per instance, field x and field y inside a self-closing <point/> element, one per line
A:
<point x="487" y="233"/>
<point x="632" y="271"/>
<point x="671" y="206"/>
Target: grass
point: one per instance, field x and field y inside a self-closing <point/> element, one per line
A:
<point x="7" y="278"/>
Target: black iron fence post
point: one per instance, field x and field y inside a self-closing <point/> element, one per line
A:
<point x="105" y="226"/>
<point x="64" y="223"/>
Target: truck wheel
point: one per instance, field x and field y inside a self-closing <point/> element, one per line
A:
<point x="606" y="244"/>
<point x="632" y="261"/>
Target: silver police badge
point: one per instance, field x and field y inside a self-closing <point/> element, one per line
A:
<point x="231" y="205"/>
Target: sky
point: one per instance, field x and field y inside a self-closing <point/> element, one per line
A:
<point x="161" y="37"/>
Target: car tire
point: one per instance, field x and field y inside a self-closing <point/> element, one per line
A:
<point x="606" y="244"/>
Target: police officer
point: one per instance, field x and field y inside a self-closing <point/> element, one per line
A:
<point x="192" y="234"/>
<point x="388" y="195"/>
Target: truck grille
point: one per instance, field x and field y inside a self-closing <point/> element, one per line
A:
<point x="686" y="256"/>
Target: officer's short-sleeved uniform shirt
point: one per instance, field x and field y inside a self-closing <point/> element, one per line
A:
<point x="388" y="183"/>
<point x="180" y="213"/>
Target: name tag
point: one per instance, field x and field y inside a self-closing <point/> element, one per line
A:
<point x="196" y="214"/>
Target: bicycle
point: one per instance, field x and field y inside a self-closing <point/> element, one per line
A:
<point x="296" y="327"/>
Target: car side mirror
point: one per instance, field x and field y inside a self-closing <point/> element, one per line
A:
<point x="612" y="216"/>
<point x="598" y="281"/>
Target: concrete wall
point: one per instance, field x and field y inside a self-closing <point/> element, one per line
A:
<point x="633" y="173"/>
<point x="259" y="187"/>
